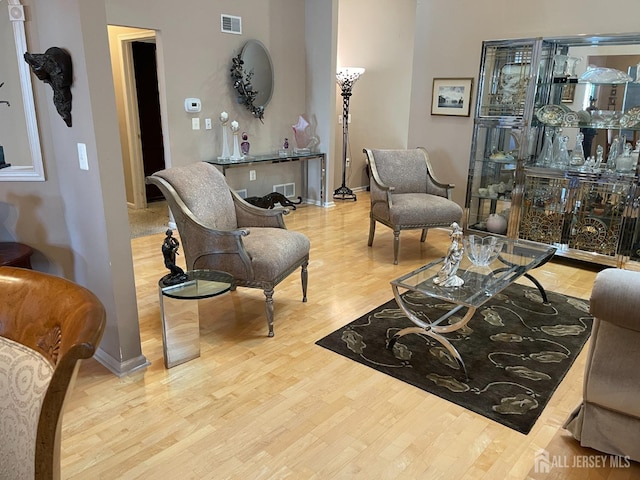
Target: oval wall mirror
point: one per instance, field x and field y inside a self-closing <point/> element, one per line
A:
<point x="256" y="59"/>
<point x="21" y="140"/>
<point x="252" y="76"/>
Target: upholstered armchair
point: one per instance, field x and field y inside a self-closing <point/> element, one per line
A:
<point x="406" y="195"/>
<point x="47" y="325"/>
<point x="608" y="419"/>
<point x="220" y="231"/>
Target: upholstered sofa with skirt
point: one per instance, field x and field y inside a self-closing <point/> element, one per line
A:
<point x="608" y="419"/>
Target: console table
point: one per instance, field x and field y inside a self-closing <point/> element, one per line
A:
<point x="275" y="158"/>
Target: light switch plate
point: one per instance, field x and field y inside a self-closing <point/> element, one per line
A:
<point x="195" y="123"/>
<point x="82" y="156"/>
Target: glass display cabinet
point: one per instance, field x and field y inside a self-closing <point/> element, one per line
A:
<point x="554" y="149"/>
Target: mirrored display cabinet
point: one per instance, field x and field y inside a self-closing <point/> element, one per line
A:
<point x="554" y="153"/>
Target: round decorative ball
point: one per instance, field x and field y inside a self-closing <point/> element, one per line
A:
<point x="497" y="224"/>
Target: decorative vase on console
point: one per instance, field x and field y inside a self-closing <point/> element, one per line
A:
<point x="245" y="145"/>
<point x="236" y="144"/>
<point x="303" y="133"/>
<point x="224" y="118"/>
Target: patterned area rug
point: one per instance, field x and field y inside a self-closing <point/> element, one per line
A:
<point x="516" y="350"/>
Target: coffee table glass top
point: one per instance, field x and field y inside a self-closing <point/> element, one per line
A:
<point x="480" y="283"/>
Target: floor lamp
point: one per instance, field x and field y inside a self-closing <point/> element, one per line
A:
<point x="346" y="77"/>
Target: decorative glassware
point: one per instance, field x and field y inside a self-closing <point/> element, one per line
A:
<point x="570" y="66"/>
<point x="482" y="250"/>
<point x="613" y="154"/>
<point x="562" y="158"/>
<point x="224" y="118"/>
<point x="605" y="75"/>
<point x="236" y="145"/>
<point x="599" y="157"/>
<point x="546" y="154"/>
<point x="624" y="162"/>
<point x="245" y="145"/>
<point x="304" y="135"/>
<point x="577" y="155"/>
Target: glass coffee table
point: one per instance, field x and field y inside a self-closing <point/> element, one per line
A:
<point x="517" y="259"/>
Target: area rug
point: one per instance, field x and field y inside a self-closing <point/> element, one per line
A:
<point x="149" y="221"/>
<point x="516" y="350"/>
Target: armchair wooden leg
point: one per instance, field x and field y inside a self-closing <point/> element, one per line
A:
<point x="396" y="246"/>
<point x="372" y="231"/>
<point x="304" y="274"/>
<point x="423" y="237"/>
<point x="269" y="309"/>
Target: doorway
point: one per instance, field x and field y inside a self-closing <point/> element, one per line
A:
<point x="146" y="85"/>
<point x="139" y="88"/>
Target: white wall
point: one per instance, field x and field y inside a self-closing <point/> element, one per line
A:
<point x="377" y="35"/>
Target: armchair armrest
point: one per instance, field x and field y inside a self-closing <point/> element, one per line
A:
<point x="615" y="299"/>
<point x="251" y="216"/>
<point x="200" y="241"/>
<point x="435" y="186"/>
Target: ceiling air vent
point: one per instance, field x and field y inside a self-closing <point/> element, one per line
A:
<point x="230" y="24"/>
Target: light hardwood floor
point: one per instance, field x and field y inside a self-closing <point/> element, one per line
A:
<point x="253" y="407"/>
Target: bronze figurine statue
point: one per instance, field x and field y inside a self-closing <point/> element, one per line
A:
<point x="169" y="252"/>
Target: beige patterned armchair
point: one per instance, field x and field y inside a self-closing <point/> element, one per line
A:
<point x="405" y="194"/>
<point x="608" y="419"/>
<point x="220" y="231"/>
<point x="47" y="325"/>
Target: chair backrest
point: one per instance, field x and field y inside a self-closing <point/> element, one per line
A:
<point x="204" y="191"/>
<point x="406" y="170"/>
<point x="47" y="325"/>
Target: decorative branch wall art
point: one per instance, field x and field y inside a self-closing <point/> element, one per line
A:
<point x="242" y="84"/>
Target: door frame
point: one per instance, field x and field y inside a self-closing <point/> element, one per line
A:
<point x="131" y="113"/>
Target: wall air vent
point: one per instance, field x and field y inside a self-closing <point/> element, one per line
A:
<point x="230" y="24"/>
<point x="287" y="189"/>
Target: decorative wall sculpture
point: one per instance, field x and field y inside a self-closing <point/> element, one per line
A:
<point x="242" y="85"/>
<point x="54" y="67"/>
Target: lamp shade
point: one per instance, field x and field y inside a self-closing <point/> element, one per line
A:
<point x="348" y="74"/>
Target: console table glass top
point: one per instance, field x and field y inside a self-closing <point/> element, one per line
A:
<point x="517" y="258"/>
<point x="269" y="158"/>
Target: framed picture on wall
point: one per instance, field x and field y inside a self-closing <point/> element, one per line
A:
<point x="451" y="96"/>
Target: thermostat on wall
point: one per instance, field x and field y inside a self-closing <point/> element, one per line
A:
<point x="192" y="105"/>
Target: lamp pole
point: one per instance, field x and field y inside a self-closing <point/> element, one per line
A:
<point x="346" y="77"/>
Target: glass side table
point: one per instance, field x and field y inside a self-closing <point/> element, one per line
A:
<point x="180" y="316"/>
